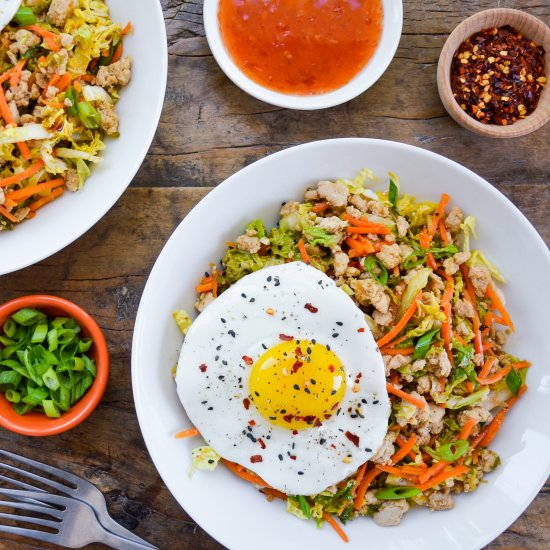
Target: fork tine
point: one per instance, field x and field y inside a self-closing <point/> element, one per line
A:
<point x="42" y="536"/>
<point x="39" y="508"/>
<point x="35" y="477"/>
<point x="40" y="496"/>
<point x="18" y="483"/>
<point x="31" y="519"/>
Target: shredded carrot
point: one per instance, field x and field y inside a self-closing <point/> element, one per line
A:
<point x="303" y="252"/>
<point x="425" y="239"/>
<point x="439" y="213"/>
<point x="8" y="117"/>
<point x="16" y="73"/>
<point x="404" y="450"/>
<point x="335" y="526"/>
<point x="4" y="77"/>
<point x="401" y="324"/>
<point x="487" y="367"/>
<point x="77" y="86"/>
<point x="485" y="380"/>
<point x="273" y="493"/>
<point x="39" y="203"/>
<point x="469" y="386"/>
<point x="49" y="36"/>
<point x="55" y="104"/>
<point x="207" y="287"/>
<point x="215" y="283"/>
<point x="86" y="77"/>
<point x="53" y="81"/>
<point x="398" y="351"/>
<point x="432" y="471"/>
<point x="243" y="473"/>
<point x="191" y="432"/>
<point x="320" y="207"/>
<point x="469" y="294"/>
<point x="22" y="175"/>
<point x="401" y="442"/>
<point x="440" y="478"/>
<point x="27" y="192"/>
<point x="64" y="82"/>
<point x="118" y="53"/>
<point x="127" y="29"/>
<point x="374" y="228"/>
<point x="446" y="327"/>
<point x="362" y="488"/>
<point x="443" y="232"/>
<point x="363" y="247"/>
<point x="497" y="303"/>
<point x="405" y="396"/>
<point x="467" y="429"/>
<point x="7" y="215"/>
<point x="398" y="472"/>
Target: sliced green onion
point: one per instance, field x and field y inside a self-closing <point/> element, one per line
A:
<point x="10" y="378"/>
<point x="423" y="344"/>
<point x="25" y="16"/>
<point x="34" y="396"/>
<point x="27" y="316"/>
<point x="9" y="328"/>
<point x="39" y="334"/>
<point x="371" y="263"/>
<point x="89" y="116"/>
<point x="50" y="379"/>
<point x="84" y="345"/>
<point x="72" y="95"/>
<point x="393" y="193"/>
<point x="454" y="450"/>
<point x="52" y="339"/>
<point x="78" y="364"/>
<point x="396" y="493"/>
<point x="13" y="396"/>
<point x="50" y="408"/>
<point x="304" y="506"/>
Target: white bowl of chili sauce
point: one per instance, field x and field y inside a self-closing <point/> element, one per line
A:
<point x="303" y="54"/>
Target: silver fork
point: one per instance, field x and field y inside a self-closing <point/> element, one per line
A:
<point x="84" y="491"/>
<point x="76" y="523"/>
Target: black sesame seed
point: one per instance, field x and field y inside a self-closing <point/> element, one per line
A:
<point x="375" y="402"/>
<point x="293" y="446"/>
<point x="256" y="394"/>
<point x="204" y="402"/>
<point x="283" y="411"/>
<point x="335" y="335"/>
<point x="264" y="346"/>
<point x="224" y="362"/>
<point x="221" y="377"/>
<point x="223" y="320"/>
<point x="333" y="392"/>
<point x="368" y="450"/>
<point x="269" y="279"/>
<point x="300" y="473"/>
<point x="296" y="387"/>
<point x="210" y="461"/>
<point x="307" y="390"/>
<point x="328" y="347"/>
<point x="252" y="300"/>
<point x="313" y="381"/>
<point x="280" y="457"/>
<point x="272" y="418"/>
<point x="322" y="441"/>
<point x="218" y="348"/>
<point x="364" y="401"/>
<point x="210" y="408"/>
<point x="217" y="358"/>
<point x="243" y="294"/>
<point x="308" y="351"/>
<point x="339" y="323"/>
<point x="231" y="333"/>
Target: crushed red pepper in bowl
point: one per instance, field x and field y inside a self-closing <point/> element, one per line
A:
<point x="497" y="76"/>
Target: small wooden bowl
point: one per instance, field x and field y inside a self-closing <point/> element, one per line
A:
<point x="531" y="28"/>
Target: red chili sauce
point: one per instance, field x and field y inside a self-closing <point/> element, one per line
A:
<point x="301" y="47"/>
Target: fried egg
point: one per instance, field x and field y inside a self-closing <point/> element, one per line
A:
<point x="8" y="8"/>
<point x="282" y="375"/>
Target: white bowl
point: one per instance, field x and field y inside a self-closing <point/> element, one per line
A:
<point x="230" y="509"/>
<point x="391" y="33"/>
<point x="60" y="223"/>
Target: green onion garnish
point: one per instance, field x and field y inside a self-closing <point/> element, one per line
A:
<point x="89" y="116"/>
<point x="513" y="381"/>
<point x="396" y="493"/>
<point x="423" y="344"/>
<point x="25" y="16"/>
<point x="43" y="363"/>
<point x="304" y="506"/>
<point x="454" y="450"/>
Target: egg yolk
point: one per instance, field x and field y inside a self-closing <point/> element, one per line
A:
<point x="297" y="384"/>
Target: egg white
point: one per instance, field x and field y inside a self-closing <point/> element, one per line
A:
<point x="236" y="324"/>
<point x="8" y="8"/>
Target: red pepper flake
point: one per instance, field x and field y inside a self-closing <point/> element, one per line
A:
<point x="261" y="442"/>
<point x="286" y="338"/>
<point x="251" y="423"/>
<point x="294" y="432"/>
<point x="362" y="329"/>
<point x="248" y="360"/>
<point x="297" y="366"/>
<point x="497" y="76"/>
<point x="317" y="423"/>
<point x="331" y="368"/>
<point x="288" y="417"/>
<point x="203" y="367"/>
<point x="256" y="458"/>
<point x="298" y="352"/>
<point x="311" y="308"/>
<point x="353" y="438"/>
<point x="292" y="457"/>
<point x="246" y="403"/>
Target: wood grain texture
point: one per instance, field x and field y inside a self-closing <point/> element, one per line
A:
<point x="210" y="129"/>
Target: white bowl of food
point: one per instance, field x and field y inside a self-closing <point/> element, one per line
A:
<point x="365" y="224"/>
<point x="314" y="56"/>
<point x="67" y="152"/>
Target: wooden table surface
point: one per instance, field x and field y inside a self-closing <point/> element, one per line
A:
<point x="210" y="129"/>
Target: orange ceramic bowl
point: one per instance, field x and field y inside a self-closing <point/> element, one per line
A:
<point x="38" y="424"/>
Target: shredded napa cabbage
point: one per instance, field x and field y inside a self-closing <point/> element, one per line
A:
<point x="204" y="458"/>
<point x="183" y="320"/>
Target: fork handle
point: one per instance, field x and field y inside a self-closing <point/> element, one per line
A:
<point x="122" y="544"/>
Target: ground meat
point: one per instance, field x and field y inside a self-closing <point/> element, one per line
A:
<point x="480" y="277"/>
<point x="402" y="226"/>
<point x="248" y="243"/>
<point x="406" y="251"/>
<point x="27" y="119"/>
<point x="391" y="512"/>
<point x="439" y="364"/>
<point x="23" y="41"/>
<point x="500" y="337"/>
<point x="395" y="361"/>
<point x="382" y="319"/>
<point x="311" y="195"/>
<point x="370" y="498"/>
<point x="430" y="422"/>
<point x="454" y="219"/>
<point x="359" y="202"/>
<point x="478" y="413"/>
<point x="57" y="64"/>
<point x="378" y="209"/>
<point x="332" y="224"/>
<point x="354" y="213"/>
<point x="2" y="197"/>
<point x="289" y="207"/>
<point x="341" y="261"/>
<point x="464" y="308"/>
<point x="67" y="40"/>
<point x="461" y="257"/>
<point x="390" y="255"/>
<point x="488" y="460"/>
<point x="115" y="74"/>
<point x="369" y="291"/>
<point x="417" y="366"/>
<point x="335" y="193"/>
<point x="462" y="329"/>
<point x="109" y="119"/>
<point x="440" y="501"/>
<point x="437" y="282"/>
<point x="60" y="11"/>
<point x="72" y="181"/>
<point x="22" y="213"/>
<point x="23" y="94"/>
<point x="384" y="453"/>
<point x="423" y="384"/>
<point x="451" y="265"/>
<point x="203" y="301"/>
<point x="420" y="415"/>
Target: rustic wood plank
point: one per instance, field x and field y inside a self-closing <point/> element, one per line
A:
<point x="210" y="129"/>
